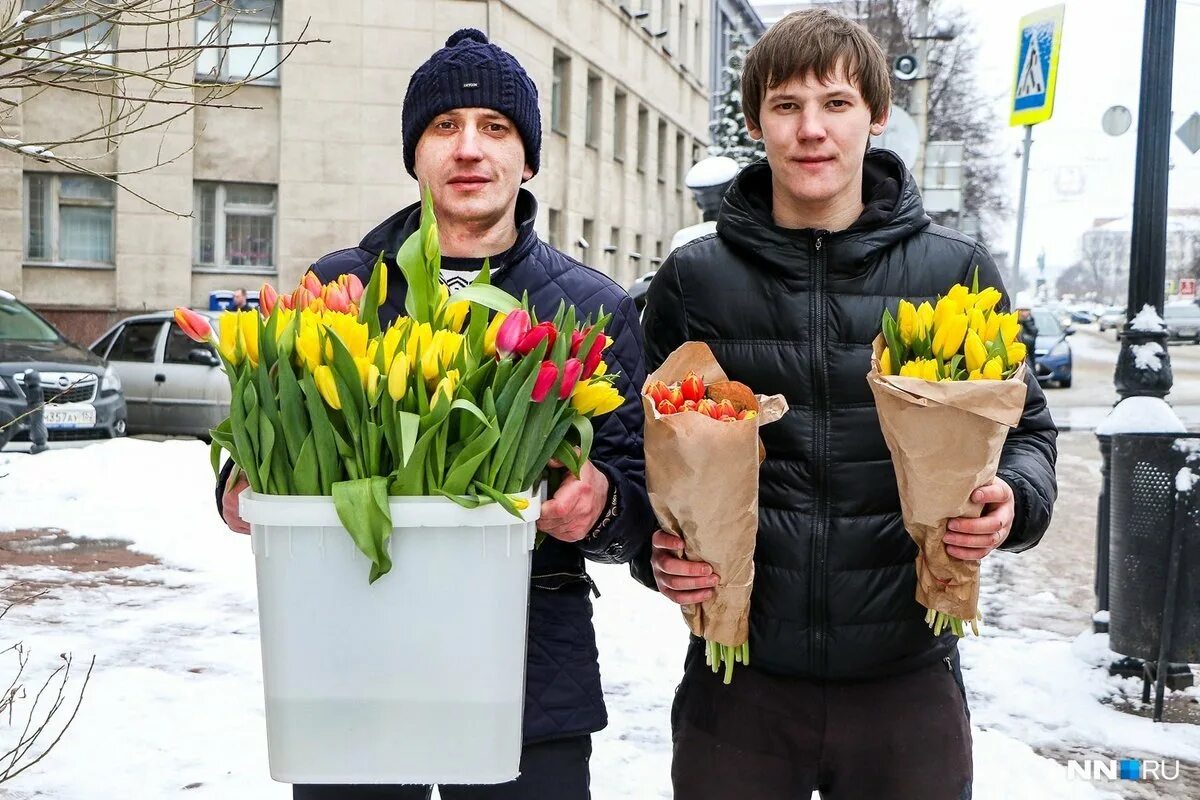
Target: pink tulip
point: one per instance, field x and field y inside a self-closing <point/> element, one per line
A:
<point x="302" y="298"/>
<point x="547" y="374"/>
<point x="571" y="372"/>
<point x="335" y="298"/>
<point x="515" y="326"/>
<point x="312" y="283"/>
<point x="195" y="325"/>
<point x="353" y="286"/>
<point x="534" y="337"/>
<point x="268" y="298"/>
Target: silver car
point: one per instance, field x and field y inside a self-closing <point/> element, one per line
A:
<point x="172" y="384"/>
<point x="1183" y="321"/>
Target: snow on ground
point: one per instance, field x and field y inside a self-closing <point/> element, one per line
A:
<point x="175" y="700"/>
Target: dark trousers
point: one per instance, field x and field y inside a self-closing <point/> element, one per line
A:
<point x="555" y="770"/>
<point x="765" y="737"/>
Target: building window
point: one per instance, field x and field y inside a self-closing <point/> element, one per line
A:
<point x="636" y="255"/>
<point x="681" y="163"/>
<point x="240" y="22"/>
<point x="81" y="33"/>
<point x="643" y="132"/>
<point x="662" y="151"/>
<point x="591" y="135"/>
<point x="619" y="114"/>
<point x="560" y="93"/>
<point x="235" y="226"/>
<point x="556" y="229"/>
<point x="614" y="250"/>
<point x="697" y="48"/>
<point x="682" y="32"/>
<point x="68" y="219"/>
<point x="589" y="238"/>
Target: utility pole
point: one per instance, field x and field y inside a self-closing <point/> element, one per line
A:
<point x="920" y="100"/>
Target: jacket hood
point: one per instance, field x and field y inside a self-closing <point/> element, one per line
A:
<point x="893" y="212"/>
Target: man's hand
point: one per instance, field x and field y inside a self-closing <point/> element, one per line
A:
<point x="681" y="581"/>
<point x="972" y="539"/>
<point x="229" y="506"/>
<point x="576" y="507"/>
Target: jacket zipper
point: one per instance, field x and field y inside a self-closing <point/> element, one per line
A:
<point x="819" y="345"/>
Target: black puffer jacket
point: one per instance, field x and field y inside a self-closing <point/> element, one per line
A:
<point x="794" y="312"/>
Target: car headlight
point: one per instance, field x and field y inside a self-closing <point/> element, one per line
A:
<point x="110" y="382"/>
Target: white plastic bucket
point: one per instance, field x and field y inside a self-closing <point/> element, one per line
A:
<point x="417" y="678"/>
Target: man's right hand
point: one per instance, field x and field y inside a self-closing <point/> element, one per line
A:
<point x="681" y="581"/>
<point x="229" y="506"/>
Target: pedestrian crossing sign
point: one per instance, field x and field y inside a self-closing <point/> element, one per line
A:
<point x="1037" y="66"/>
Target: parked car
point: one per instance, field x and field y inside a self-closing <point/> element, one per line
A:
<point x="1052" y="353"/>
<point x="1112" y="317"/>
<point x="172" y="384"/>
<point x="1082" y="316"/>
<point x="1183" y="321"/>
<point x="637" y="291"/>
<point x="83" y="395"/>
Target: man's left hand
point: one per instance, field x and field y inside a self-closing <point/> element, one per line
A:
<point x="576" y="507"/>
<point x="970" y="539"/>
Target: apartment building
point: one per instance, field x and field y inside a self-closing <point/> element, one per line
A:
<point x="256" y="195"/>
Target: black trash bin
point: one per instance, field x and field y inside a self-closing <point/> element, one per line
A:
<point x="1154" y="548"/>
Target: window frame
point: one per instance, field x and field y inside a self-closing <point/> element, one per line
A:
<point x="224" y="24"/>
<point x="51" y="211"/>
<point x="220" y="210"/>
<point x="560" y="93"/>
<point x="620" y="124"/>
<point x="100" y="54"/>
<point x="593" y="124"/>
<point x="643" y="137"/>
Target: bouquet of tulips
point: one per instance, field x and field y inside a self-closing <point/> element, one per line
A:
<point x="954" y="367"/>
<point x="702" y="457"/>
<point x="444" y="402"/>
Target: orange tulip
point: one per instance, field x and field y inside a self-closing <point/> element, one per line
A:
<point x="268" y="298"/>
<point x="196" y="326"/>
<point x="353" y="286"/>
<point x="657" y="392"/>
<point x="692" y="387"/>
<point x="312" y="283"/>
<point x="726" y="409"/>
<point x="707" y="407"/>
<point x="336" y="298"/>
<point x="666" y="407"/>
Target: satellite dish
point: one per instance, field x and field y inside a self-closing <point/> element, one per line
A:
<point x="1116" y="120"/>
<point x="900" y="136"/>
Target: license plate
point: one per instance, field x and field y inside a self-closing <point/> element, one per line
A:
<point x="81" y="415"/>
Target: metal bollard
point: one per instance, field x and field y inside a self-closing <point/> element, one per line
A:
<point x="34" y="401"/>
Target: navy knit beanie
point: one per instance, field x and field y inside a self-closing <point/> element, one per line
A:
<point x="470" y="72"/>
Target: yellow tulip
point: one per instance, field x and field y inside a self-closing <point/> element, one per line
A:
<point x="456" y="315"/>
<point x="931" y="370"/>
<point x="431" y="242"/>
<point x="1009" y="327"/>
<point x="323" y="375"/>
<point x="975" y="375"/>
<point x="353" y="333"/>
<point x="908" y="321"/>
<point x="390" y="343"/>
<point x="446" y="386"/>
<point x="363" y="365"/>
<point x="601" y="369"/>
<point x="961" y="295"/>
<point x="885" y="362"/>
<point x="977" y="321"/>
<point x="398" y="378"/>
<point x="946" y="308"/>
<point x="489" y="336"/>
<point x="987" y="299"/>
<point x="993" y="328"/>
<point x="993" y="370"/>
<point x="975" y="351"/>
<point x="248" y="334"/>
<point x="925" y="315"/>
<point x="1016" y="353"/>
<point x="948" y="336"/>
<point x="594" y="398"/>
<point x="308" y="342"/>
<point x="520" y="503"/>
<point x="372" y="383"/>
<point x="420" y="336"/>
<point x="227" y="339"/>
<point x="443" y="294"/>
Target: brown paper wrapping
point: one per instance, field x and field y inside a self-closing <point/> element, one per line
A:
<point x="945" y="439"/>
<point x="702" y="477"/>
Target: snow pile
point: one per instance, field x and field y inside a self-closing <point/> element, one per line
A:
<point x="1141" y="415"/>
<point x="1147" y="320"/>
<point x="1148" y="356"/>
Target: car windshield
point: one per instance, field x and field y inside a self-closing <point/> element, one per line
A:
<point x="19" y="324"/>
<point x="1047" y="323"/>
<point x="1185" y="311"/>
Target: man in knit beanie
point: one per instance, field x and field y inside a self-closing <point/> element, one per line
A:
<point x="471" y="136"/>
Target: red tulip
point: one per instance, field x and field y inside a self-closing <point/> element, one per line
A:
<point x="514" y="328"/>
<point x="657" y="392"/>
<point x="268" y="298"/>
<point x="593" y="357"/>
<point x="195" y="325"/>
<point x="674" y="396"/>
<point x="571" y="372"/>
<point x="534" y="337"/>
<point x="547" y="374"/>
<point x="692" y="387"/>
<point x="726" y="409"/>
<point x="577" y="338"/>
<point x="665" y="407"/>
<point x="707" y="407"/>
<point x="688" y="405"/>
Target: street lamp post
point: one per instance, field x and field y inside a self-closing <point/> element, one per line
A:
<point x="1139" y="377"/>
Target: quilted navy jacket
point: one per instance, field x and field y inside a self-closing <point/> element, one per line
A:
<point x="563" y="696"/>
<point x="794" y="312"/>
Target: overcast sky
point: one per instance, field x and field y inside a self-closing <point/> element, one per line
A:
<point x="1077" y="172"/>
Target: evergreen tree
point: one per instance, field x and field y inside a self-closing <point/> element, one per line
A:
<point x="728" y="126"/>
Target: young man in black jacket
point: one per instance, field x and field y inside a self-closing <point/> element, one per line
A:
<point x="472" y="136"/>
<point x="848" y="691"/>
